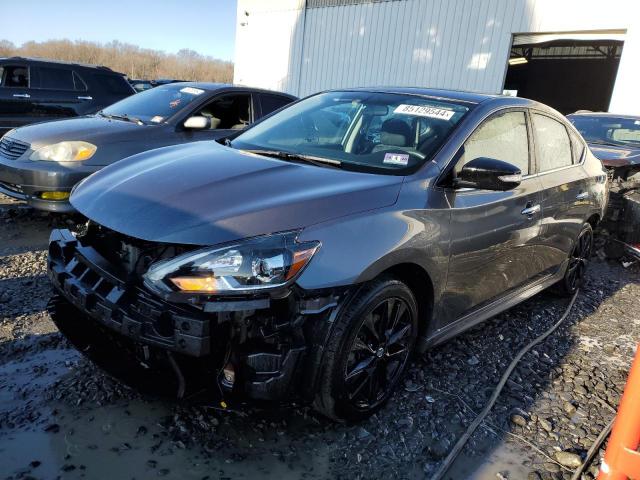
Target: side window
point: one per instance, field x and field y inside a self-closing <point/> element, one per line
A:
<point x="502" y="138"/>
<point x="577" y="146"/>
<point x="552" y="142"/>
<point x="271" y="103"/>
<point x="56" y="78"/>
<point x="16" y="76"/>
<point x="229" y="112"/>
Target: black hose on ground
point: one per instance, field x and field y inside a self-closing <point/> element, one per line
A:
<point x="593" y="450"/>
<point x="457" y="448"/>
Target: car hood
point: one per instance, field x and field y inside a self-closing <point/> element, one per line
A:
<point x="203" y="193"/>
<point x="613" y="156"/>
<point x="93" y="129"/>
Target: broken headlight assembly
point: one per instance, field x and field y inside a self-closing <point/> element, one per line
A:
<point x="247" y="266"/>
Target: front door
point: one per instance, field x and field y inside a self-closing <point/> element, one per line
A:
<point x="493" y="234"/>
<point x="227" y="114"/>
<point x="16" y="107"/>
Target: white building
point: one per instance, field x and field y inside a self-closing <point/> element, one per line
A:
<point x="571" y="54"/>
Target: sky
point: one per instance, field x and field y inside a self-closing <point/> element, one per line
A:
<point x="206" y="26"/>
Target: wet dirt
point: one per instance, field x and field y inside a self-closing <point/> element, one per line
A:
<point x="60" y="417"/>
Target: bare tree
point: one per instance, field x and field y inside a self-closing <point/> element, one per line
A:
<point x="130" y="59"/>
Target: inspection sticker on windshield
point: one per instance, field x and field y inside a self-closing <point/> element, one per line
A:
<point x="422" y="111"/>
<point x="396" y="159"/>
<point x="157" y="119"/>
<point x="192" y="91"/>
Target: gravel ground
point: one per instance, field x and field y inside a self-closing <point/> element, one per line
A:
<point x="60" y="417"/>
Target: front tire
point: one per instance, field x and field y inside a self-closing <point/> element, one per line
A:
<point x="368" y="350"/>
<point x="578" y="263"/>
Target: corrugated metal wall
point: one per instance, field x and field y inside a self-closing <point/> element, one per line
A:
<point x="458" y="44"/>
<point x="436" y="43"/>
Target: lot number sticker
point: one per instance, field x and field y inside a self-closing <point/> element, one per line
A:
<point x="396" y="159"/>
<point x="191" y="90"/>
<point x="422" y="111"/>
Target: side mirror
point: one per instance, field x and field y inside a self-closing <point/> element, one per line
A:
<point x="489" y="174"/>
<point x="197" y="123"/>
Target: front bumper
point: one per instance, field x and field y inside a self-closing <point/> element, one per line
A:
<point x="25" y="180"/>
<point x="277" y="346"/>
<point x="90" y="283"/>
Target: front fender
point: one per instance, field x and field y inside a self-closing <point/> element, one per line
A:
<point x="358" y="248"/>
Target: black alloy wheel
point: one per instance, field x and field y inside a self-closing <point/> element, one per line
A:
<point x="368" y="350"/>
<point x="379" y="353"/>
<point x="578" y="262"/>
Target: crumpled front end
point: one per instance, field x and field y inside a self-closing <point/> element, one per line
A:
<point x="260" y="346"/>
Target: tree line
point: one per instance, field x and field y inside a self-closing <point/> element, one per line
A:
<point x="134" y="61"/>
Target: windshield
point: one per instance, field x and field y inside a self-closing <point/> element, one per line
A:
<point x="377" y="132"/>
<point x="154" y="105"/>
<point x="608" y="130"/>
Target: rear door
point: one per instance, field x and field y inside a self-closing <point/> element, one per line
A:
<point x="58" y="92"/>
<point x="16" y="107"/>
<point x="494" y="234"/>
<point x="565" y="194"/>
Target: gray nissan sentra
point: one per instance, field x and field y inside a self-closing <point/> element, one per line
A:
<point x="314" y="253"/>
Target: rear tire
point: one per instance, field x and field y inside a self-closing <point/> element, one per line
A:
<point x="578" y="263"/>
<point x="368" y="350"/>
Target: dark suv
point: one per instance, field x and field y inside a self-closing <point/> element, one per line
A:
<point x="34" y="90"/>
<point x="316" y="251"/>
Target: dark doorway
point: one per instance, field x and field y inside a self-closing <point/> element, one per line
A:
<point x="568" y="75"/>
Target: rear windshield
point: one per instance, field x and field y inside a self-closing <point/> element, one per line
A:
<point x="608" y="130"/>
<point x="155" y="105"/>
<point x="366" y="131"/>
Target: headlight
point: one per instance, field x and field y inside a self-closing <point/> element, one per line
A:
<point x="65" y="152"/>
<point x="256" y="264"/>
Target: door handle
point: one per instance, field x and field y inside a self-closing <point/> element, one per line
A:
<point x="22" y="95"/>
<point x="85" y="97"/>
<point x="582" y="196"/>
<point x="531" y="211"/>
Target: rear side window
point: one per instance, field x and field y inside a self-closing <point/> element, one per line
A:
<point x="502" y="138"/>
<point x="78" y="83"/>
<point x="114" y="84"/>
<point x="577" y="145"/>
<point x="271" y="103"/>
<point x="16" y="76"/>
<point x="552" y="142"/>
<point x="56" y="78"/>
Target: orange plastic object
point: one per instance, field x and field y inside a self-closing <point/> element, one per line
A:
<point x="621" y="459"/>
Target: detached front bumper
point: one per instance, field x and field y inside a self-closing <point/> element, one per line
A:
<point x="274" y="346"/>
<point x="26" y="180"/>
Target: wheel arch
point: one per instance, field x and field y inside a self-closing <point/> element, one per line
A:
<point x="594" y="220"/>
<point x="418" y="280"/>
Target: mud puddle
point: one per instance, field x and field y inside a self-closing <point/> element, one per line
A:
<point x="129" y="438"/>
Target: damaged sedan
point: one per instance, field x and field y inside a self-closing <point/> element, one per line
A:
<point x="310" y="256"/>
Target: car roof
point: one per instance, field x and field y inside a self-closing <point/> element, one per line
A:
<point x="603" y="115"/>
<point x="212" y="86"/>
<point x="456" y="95"/>
<point x="58" y="62"/>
